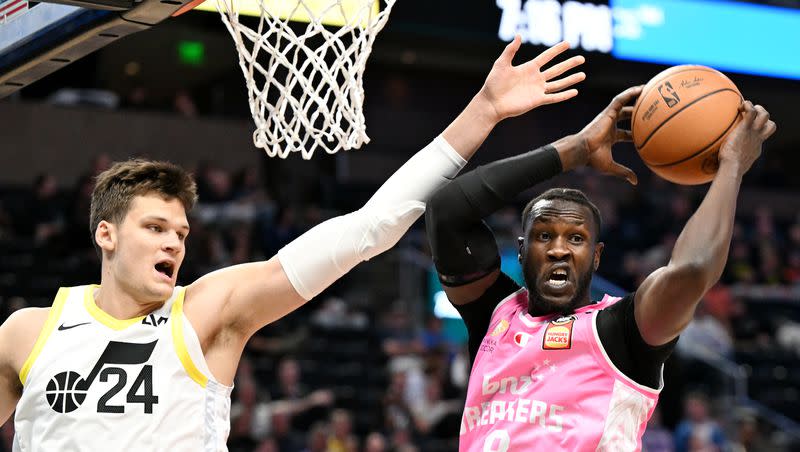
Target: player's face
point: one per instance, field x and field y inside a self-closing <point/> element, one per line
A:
<point x="559" y="254"/>
<point x="151" y="246"/>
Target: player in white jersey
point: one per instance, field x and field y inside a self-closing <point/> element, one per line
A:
<point x="136" y="363"/>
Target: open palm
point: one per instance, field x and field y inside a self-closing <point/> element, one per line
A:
<point x="514" y="90"/>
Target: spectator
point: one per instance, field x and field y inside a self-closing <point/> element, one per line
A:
<point x="339" y="439"/>
<point x="698" y="432"/>
<point x="432" y="409"/>
<point x="351" y="443"/>
<point x="244" y="409"/>
<point x="335" y="313"/>
<point x="183" y="104"/>
<point x="656" y="437"/>
<point x="791" y="272"/>
<point x="375" y="442"/>
<point x="38" y="214"/>
<point x="705" y="336"/>
<point x="433" y="337"/>
<point x="396" y="412"/>
<point x="402" y="441"/>
<point x="275" y="235"/>
<point x="268" y="444"/>
<point x="306" y="406"/>
<point x="247" y="186"/>
<point x="404" y="348"/>
<point x="317" y="439"/>
<point x="787" y="335"/>
<point x="770" y="265"/>
<point x="749" y="437"/>
<point x="281" y="427"/>
<point x="213" y="184"/>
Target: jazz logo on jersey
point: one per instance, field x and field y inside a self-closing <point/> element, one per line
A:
<point x="558" y="335"/>
<point x="66" y="391"/>
<point x="500" y="328"/>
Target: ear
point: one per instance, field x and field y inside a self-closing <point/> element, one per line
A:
<point x="598" y="250"/>
<point x="106" y="236"/>
<point x="520" y="245"/>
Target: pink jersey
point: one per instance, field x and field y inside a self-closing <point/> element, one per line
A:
<point x="546" y="383"/>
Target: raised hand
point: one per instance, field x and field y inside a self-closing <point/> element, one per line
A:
<point x="514" y="90"/>
<point x="743" y="146"/>
<point x="602" y="133"/>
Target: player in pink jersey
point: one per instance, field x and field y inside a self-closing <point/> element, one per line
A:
<point x="552" y="369"/>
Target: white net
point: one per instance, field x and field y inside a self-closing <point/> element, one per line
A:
<point x="305" y="81"/>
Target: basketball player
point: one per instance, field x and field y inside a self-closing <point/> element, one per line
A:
<point x="552" y="369"/>
<point x="138" y="363"/>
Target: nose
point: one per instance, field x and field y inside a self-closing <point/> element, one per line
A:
<point x="558" y="250"/>
<point x="172" y="243"/>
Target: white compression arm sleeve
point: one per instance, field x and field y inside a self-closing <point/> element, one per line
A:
<point x="322" y="255"/>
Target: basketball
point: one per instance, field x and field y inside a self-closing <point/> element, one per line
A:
<point x="681" y="118"/>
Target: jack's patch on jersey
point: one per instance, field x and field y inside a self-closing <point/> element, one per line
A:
<point x="558" y="335"/>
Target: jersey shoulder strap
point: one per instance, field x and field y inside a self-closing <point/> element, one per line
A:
<point x="49" y="325"/>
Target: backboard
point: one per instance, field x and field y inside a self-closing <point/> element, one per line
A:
<point x="38" y="39"/>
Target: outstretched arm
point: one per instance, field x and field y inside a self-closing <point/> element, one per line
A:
<point x="253" y="295"/>
<point x="666" y="300"/>
<point x="463" y="246"/>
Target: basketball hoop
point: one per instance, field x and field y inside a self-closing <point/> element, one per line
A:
<point x="305" y="87"/>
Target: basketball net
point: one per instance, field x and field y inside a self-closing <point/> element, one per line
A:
<point x="305" y="87"/>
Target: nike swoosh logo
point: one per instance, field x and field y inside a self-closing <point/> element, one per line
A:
<point x="62" y="327"/>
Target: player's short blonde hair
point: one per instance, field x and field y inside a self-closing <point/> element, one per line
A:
<point x="116" y="187"/>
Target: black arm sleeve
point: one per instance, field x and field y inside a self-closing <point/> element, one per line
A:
<point x="620" y="337"/>
<point x="477" y="314"/>
<point x="464" y="249"/>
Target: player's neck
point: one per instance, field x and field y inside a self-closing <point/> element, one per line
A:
<point x="544" y="310"/>
<point x="113" y="299"/>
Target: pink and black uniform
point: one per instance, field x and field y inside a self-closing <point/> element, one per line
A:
<point x="548" y="383"/>
<point x="579" y="380"/>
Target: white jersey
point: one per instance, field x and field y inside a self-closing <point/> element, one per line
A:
<point x="93" y="382"/>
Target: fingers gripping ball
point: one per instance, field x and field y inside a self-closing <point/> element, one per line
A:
<point x="681" y="118"/>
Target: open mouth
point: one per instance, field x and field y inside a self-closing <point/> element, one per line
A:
<point x="558" y="278"/>
<point x="166" y="268"/>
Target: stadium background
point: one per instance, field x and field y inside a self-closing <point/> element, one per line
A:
<point x="375" y="359"/>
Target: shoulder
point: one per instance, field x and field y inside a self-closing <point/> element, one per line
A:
<point x="615" y="313"/>
<point x="209" y="293"/>
<point x="613" y="304"/>
<point x="18" y="334"/>
<point x="27" y="320"/>
<point x="503" y="295"/>
<point x="513" y="302"/>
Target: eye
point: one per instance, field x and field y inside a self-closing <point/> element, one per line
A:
<point x="544" y="236"/>
<point x="154" y="228"/>
<point x="181" y="236"/>
<point x="577" y="238"/>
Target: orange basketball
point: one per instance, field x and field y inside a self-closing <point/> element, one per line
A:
<point x="680" y="120"/>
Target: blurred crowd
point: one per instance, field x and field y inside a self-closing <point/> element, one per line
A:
<point x="371" y="376"/>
